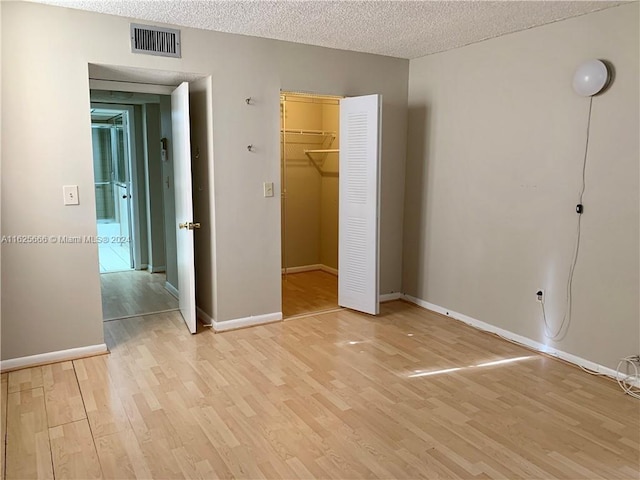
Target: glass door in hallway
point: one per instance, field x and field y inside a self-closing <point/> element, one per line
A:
<point x="112" y="177"/>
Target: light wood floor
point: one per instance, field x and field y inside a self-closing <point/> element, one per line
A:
<point x="306" y="292"/>
<point x="134" y="292"/>
<point x="339" y="395"/>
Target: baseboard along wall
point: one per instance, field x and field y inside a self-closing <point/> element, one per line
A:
<point x="514" y="337"/>
<point x="52" y="357"/>
<point x="311" y="268"/>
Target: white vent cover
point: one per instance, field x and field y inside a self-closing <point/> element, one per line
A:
<point x="155" y="40"/>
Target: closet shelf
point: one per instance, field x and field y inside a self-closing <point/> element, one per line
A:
<point x="308" y="146"/>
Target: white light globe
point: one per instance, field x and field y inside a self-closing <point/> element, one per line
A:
<point x="590" y="78"/>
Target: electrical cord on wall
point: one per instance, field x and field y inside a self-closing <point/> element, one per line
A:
<point x="630" y="384"/>
<point x="592" y="372"/>
<point x="566" y="318"/>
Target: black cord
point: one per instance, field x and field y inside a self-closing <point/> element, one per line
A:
<point x="566" y="318"/>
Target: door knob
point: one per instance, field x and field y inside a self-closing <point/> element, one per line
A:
<point x="189" y="225"/>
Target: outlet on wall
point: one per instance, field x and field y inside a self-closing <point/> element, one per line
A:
<point x="540" y="295"/>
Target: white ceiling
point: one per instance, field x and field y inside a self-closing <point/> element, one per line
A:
<point x="404" y="29"/>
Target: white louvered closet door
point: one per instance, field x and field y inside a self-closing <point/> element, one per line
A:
<point x="358" y="245"/>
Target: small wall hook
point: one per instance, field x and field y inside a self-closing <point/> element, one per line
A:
<point x="250" y="148"/>
<point x="248" y="100"/>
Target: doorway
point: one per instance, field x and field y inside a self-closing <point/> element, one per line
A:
<point x="127" y="160"/>
<point x="165" y="167"/>
<point x="309" y="141"/>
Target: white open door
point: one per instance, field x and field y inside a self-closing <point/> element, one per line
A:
<point x="184" y="204"/>
<point x="358" y="250"/>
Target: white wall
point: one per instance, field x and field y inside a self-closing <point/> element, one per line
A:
<point x="1" y="122"/>
<point x="51" y="293"/>
<point x="495" y="151"/>
<point x="169" y="208"/>
<point x="203" y="195"/>
<point x="153" y="187"/>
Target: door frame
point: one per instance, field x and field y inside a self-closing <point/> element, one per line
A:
<point x="154" y="81"/>
<point x="281" y="141"/>
<point x="285" y="91"/>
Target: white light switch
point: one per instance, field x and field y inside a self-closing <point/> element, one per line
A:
<point x="70" y="193"/>
<point x="268" y="189"/>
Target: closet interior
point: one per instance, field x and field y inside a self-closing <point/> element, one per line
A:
<point x="309" y="141"/>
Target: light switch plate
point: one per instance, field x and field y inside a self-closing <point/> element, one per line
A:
<point x="70" y="193"/>
<point x="268" y="189"/>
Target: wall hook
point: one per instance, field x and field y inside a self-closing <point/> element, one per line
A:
<point x="250" y="148"/>
<point x="248" y="100"/>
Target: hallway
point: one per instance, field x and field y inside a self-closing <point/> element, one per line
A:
<point x="134" y="292"/>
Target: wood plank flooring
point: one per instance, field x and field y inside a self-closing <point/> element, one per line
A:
<point x="134" y="292"/>
<point x="407" y="394"/>
<point x="308" y="292"/>
<point x="4" y="392"/>
<point x="27" y="443"/>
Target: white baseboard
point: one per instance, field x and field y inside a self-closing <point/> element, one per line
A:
<point x="246" y="321"/>
<point x="204" y="317"/>
<point x="311" y="268"/>
<point x="158" y="269"/>
<point x="171" y="289"/>
<point x="480" y="325"/>
<point x="52" y="357"/>
<point x="302" y="268"/>
<point x="388" y="297"/>
<point x="331" y="270"/>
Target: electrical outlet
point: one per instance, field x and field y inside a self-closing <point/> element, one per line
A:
<point x="540" y="295"/>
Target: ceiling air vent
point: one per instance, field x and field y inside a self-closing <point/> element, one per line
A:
<point x="155" y="40"/>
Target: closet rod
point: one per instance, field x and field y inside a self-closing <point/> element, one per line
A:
<point x="308" y="132"/>
<point x="330" y="150"/>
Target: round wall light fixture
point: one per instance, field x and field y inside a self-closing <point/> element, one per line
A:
<point x="590" y="78"/>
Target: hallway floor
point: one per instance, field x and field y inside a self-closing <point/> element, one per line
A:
<point x="134" y="292"/>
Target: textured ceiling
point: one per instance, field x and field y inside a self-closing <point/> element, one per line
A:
<point x="404" y="29"/>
